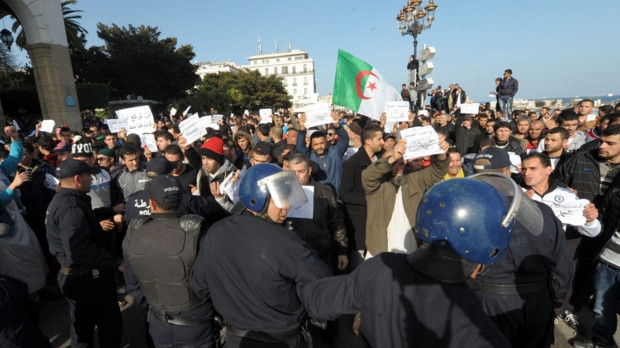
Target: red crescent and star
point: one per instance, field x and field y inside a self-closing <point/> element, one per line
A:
<point x="358" y="81"/>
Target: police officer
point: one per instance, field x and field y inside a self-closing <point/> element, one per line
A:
<point x="515" y="292"/>
<point x="421" y="299"/>
<point x="160" y="251"/>
<point x="79" y="244"/>
<point x="250" y="264"/>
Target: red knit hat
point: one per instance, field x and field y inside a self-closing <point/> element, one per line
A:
<point x="214" y="149"/>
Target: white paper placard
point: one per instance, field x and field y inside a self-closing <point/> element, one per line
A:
<point x="115" y="125"/>
<point x="591" y="117"/>
<point x="421" y="141"/>
<point x="149" y="141"/>
<point x="318" y="114"/>
<point x="397" y="111"/>
<point x="47" y="126"/>
<point x="231" y="187"/>
<point x="173" y="111"/>
<point x="207" y="121"/>
<point x="472" y="108"/>
<point x="423" y="112"/>
<point x="191" y="128"/>
<point x="186" y="110"/>
<point x="306" y="211"/>
<point x="217" y="118"/>
<point x="139" y="119"/>
<point x="265" y="115"/>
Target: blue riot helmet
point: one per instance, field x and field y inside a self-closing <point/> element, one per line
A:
<point x="461" y="224"/>
<point x="266" y="180"/>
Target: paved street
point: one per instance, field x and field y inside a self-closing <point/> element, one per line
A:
<point x="55" y="325"/>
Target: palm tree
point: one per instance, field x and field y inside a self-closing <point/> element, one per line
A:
<point x="75" y="32"/>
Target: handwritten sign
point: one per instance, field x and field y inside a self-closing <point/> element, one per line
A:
<point x="47" y="126"/>
<point x="173" y="111"/>
<point x="139" y="119"/>
<point x="421" y="141"/>
<point x="148" y="140"/>
<point x="306" y="211"/>
<point x="472" y="108"/>
<point x="115" y="125"/>
<point x="192" y="129"/>
<point x="397" y="111"/>
<point x="265" y="115"/>
<point x="318" y="114"/>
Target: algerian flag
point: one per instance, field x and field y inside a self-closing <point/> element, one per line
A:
<point x="359" y="87"/>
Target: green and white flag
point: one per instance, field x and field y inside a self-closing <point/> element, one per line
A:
<point x="359" y="87"/>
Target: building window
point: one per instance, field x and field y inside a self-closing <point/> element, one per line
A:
<point x="305" y="68"/>
<point x="277" y="60"/>
<point x="275" y="70"/>
<point x="289" y="59"/>
<point x="295" y="82"/>
<point x="305" y="91"/>
<point x="285" y="70"/>
<point x="305" y="80"/>
<point x="266" y="60"/>
<point x="294" y="92"/>
<point x="266" y="71"/>
<point x="294" y="69"/>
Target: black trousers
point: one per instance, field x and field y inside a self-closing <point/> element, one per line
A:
<point x="92" y="302"/>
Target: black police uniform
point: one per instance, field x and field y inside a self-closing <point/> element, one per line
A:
<point x="515" y="292"/>
<point x="401" y="307"/>
<point x="250" y="267"/>
<point x="86" y="279"/>
<point x="159" y="253"/>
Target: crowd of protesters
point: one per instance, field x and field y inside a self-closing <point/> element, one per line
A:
<point x="365" y="203"/>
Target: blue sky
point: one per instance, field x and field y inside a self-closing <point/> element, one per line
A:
<point x="556" y="48"/>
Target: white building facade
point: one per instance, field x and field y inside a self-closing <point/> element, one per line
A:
<point x="295" y="67"/>
<point x="214" y="68"/>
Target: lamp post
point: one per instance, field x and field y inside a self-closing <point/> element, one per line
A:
<point x="411" y="22"/>
<point x="6" y="38"/>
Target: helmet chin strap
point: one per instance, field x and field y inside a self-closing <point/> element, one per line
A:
<point x="264" y="213"/>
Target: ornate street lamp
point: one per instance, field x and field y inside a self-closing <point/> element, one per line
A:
<point x="6" y="38"/>
<point x="411" y="22"/>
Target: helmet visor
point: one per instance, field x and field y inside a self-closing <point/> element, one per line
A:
<point x="284" y="189"/>
<point x="521" y="207"/>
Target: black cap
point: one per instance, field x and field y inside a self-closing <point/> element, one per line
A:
<point x="263" y="148"/>
<point x="159" y="166"/>
<point x="71" y="167"/>
<point x="164" y="188"/>
<point x="386" y="136"/>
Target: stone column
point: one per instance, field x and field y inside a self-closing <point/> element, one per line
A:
<point x="54" y="79"/>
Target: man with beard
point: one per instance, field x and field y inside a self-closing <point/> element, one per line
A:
<point x="590" y="173"/>
<point x="393" y="198"/>
<point x="328" y="158"/>
<point x="534" y="135"/>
